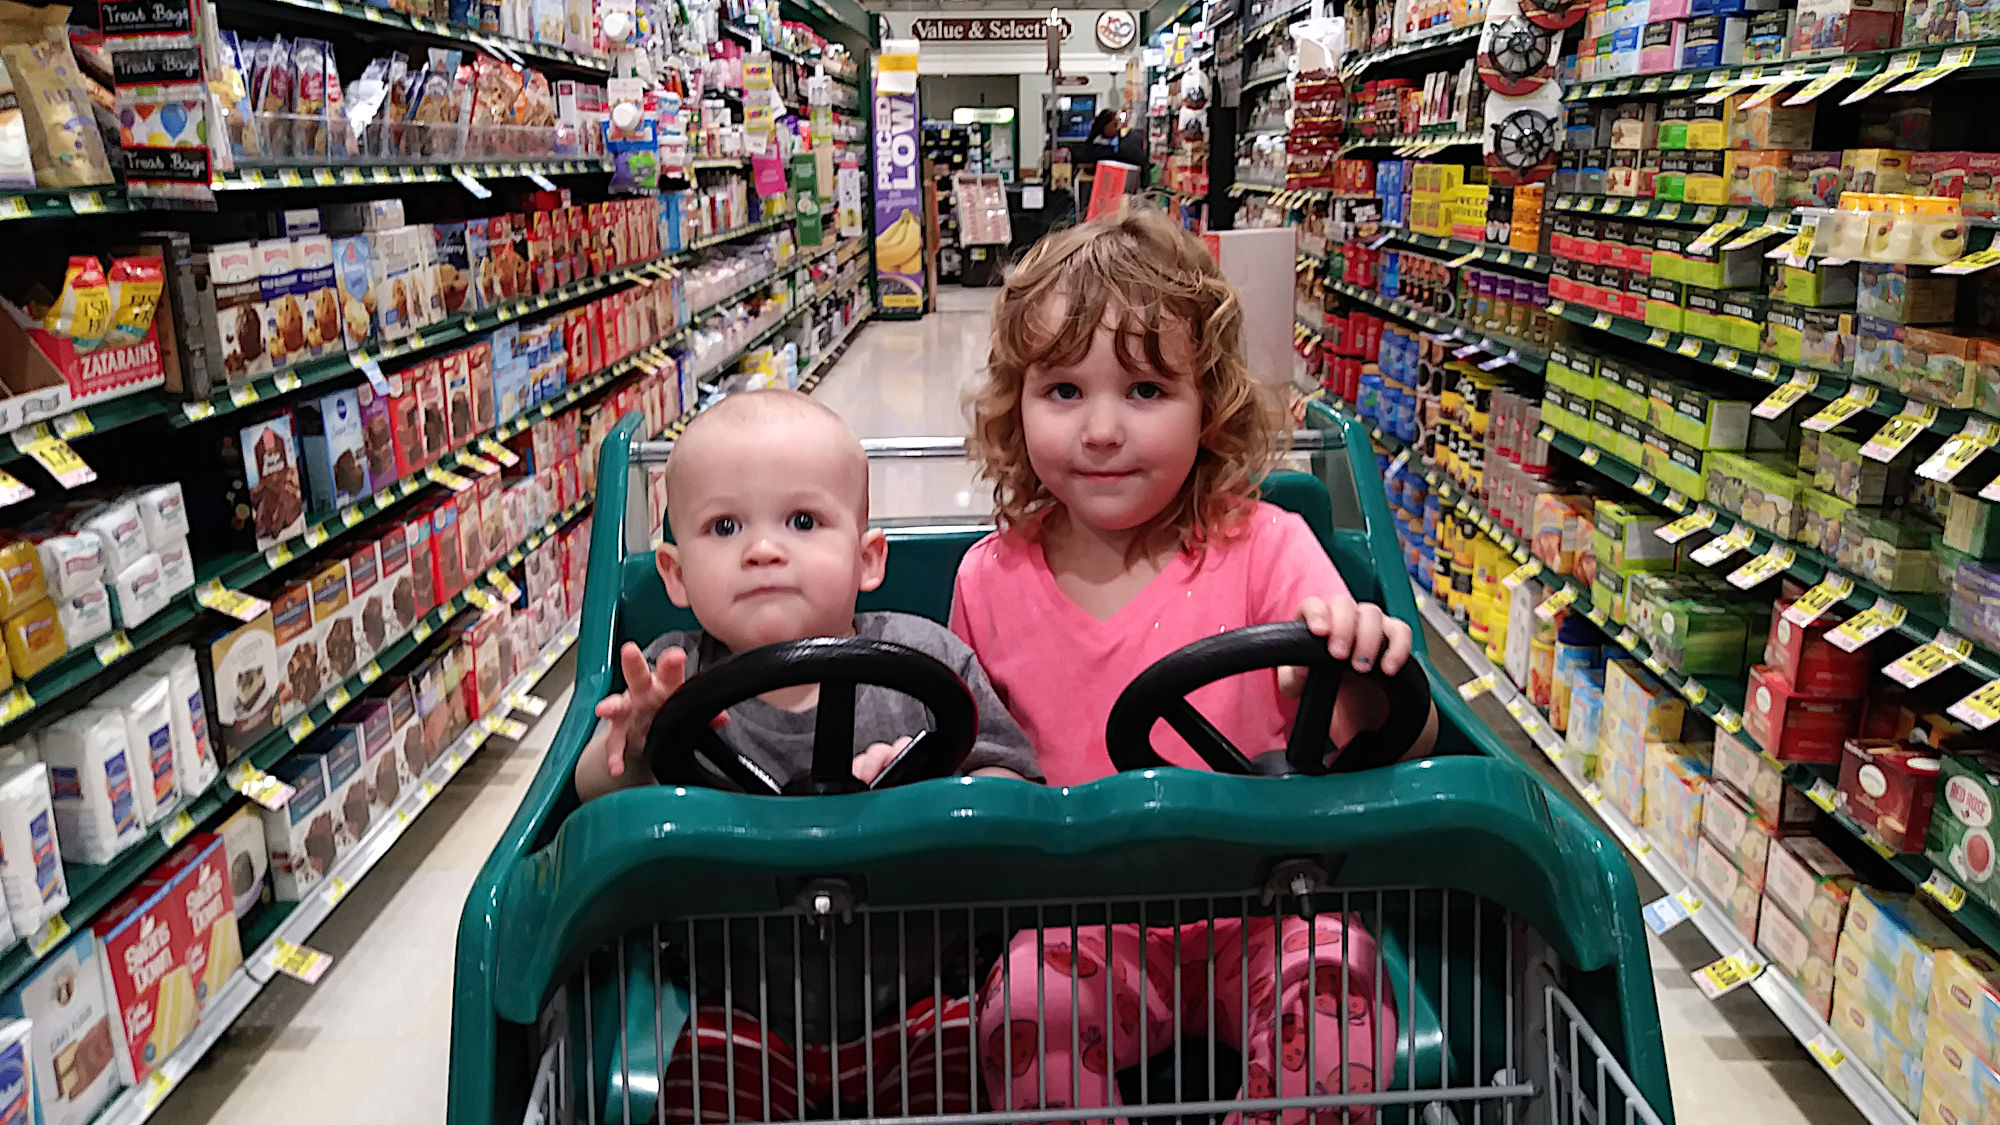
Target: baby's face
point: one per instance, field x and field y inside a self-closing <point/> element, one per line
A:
<point x="771" y="537"/>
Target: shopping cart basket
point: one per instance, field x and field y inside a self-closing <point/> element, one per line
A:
<point x="1505" y="945"/>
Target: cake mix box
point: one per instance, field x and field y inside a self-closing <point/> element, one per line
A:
<point x="144" y="937"/>
<point x="197" y="873"/>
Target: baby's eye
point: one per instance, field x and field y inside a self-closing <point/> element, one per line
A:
<point x="802" y="521"/>
<point x="723" y="527"/>
<point x="1147" y="391"/>
<point x="1064" y="392"/>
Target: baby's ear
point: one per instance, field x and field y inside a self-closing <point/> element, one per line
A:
<point x="668" y="560"/>
<point x="874" y="558"/>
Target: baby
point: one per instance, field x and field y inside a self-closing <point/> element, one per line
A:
<point x="767" y="497"/>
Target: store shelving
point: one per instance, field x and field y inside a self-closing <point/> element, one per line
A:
<point x="1417" y="144"/>
<point x="368" y="19"/>
<point x="295" y="923"/>
<point x="1436" y="41"/>
<point x="1486" y="252"/>
<point x="1515" y="352"/>
<point x="1659" y="210"/>
<point x="62" y="203"/>
<point x="1985" y="56"/>
<point x="388" y="175"/>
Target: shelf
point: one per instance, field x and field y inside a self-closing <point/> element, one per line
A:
<point x="1272" y="23"/>
<point x="710" y="163"/>
<point x="732" y="235"/>
<point x="296" y="922"/>
<point x="1986" y="56"/>
<point x="62" y="203"/>
<point x="1417" y="144"/>
<point x="1436" y="41"/>
<point x="825" y="361"/>
<point x="1503" y="351"/>
<point x="1861" y="1087"/>
<point x="1263" y="81"/>
<point x="1487" y="252"/>
<point x="352" y="175"/>
<point x="752" y="38"/>
<point x="1659" y="210"/>
<point x="516" y="50"/>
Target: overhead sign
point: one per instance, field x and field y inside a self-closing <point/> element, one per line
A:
<point x="986" y="29"/>
<point x="1116" y="30"/>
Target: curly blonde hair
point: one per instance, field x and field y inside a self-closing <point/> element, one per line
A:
<point x="1141" y="275"/>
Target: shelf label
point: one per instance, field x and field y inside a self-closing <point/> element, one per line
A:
<point x="1901" y="430"/>
<point x="297" y="961"/>
<point x="55" y="455"/>
<point x="113" y="648"/>
<point x="1727" y="975"/>
<point x="1865" y="626"/>
<point x="1958" y="451"/>
<point x="1786" y="396"/>
<point x="1695" y="691"/>
<point x="1971" y="263"/>
<point x="1590" y="455"/>
<point x="300" y="728"/>
<point x="1707" y="239"/>
<point x="1822" y="794"/>
<point x="49" y="936"/>
<point x="1771" y="563"/>
<point x="235" y="603"/>
<point x="449" y="479"/>
<point x="259" y="786"/>
<point x="1521" y="574"/>
<point x="522" y="701"/>
<point x="1851" y="402"/>
<point x="1898" y="66"/>
<point x="1723" y="546"/>
<point x="1728" y="719"/>
<point x="1979" y="710"/>
<point x="499" y="452"/>
<point x="1949" y="895"/>
<point x="1689" y="347"/>
<point x="12" y="491"/>
<point x="336" y="889"/>
<point x="513" y="729"/>
<point x="1701" y="519"/>
<point x="15" y="704"/>
<point x="1473" y="689"/>
<point x="1926" y="661"/>
<point x="1555" y="603"/>
<point x="1834" y="74"/>
<point x="177" y="829"/>
<point x="1955" y="58"/>
<point x="1665" y="913"/>
<point x="478" y="464"/>
<point x="1832" y="590"/>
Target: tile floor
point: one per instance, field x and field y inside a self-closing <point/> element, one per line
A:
<point x="369" y="1043"/>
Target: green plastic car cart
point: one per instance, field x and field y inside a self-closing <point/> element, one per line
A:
<point x="1508" y="951"/>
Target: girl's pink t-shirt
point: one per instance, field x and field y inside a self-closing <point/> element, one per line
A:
<point x="1059" y="669"/>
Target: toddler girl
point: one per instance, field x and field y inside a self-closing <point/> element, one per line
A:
<point x="1126" y="441"/>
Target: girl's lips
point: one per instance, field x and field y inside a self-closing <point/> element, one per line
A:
<point x="1088" y="475"/>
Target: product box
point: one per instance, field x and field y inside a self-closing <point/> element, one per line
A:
<point x="1958" y="1079"/>
<point x="340" y="649"/>
<point x="197" y="875"/>
<point x="1812" y="886"/>
<point x="1729" y="823"/>
<point x="347" y="786"/>
<point x="145" y="937"/>
<point x="248" y="860"/>
<point x="236" y="292"/>
<point x="277" y="489"/>
<point x="1809" y="662"/>
<point x="367" y="602"/>
<point x="417" y="532"/>
<point x="240" y="680"/>
<point x="1905" y="294"/>
<point x="1887" y="787"/>
<point x="302" y="666"/>
<point x="1761" y="782"/>
<point x="447" y="571"/>
<point x="1676" y="785"/>
<point x="1960" y="838"/>
<point x="1898" y="933"/>
<point x="1726" y="888"/>
<point x="1965" y="993"/>
<point x="1793" y="954"/>
<point x="392" y="552"/>
<point x="1794" y="727"/>
<point x="333" y="448"/>
<point x="300" y="836"/>
<point x="1841" y="27"/>
<point x="381" y="767"/>
<point x="72" y="1044"/>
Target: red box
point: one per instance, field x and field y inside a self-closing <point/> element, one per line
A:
<point x="1811" y="663"/>
<point x="447" y="565"/>
<point x="406" y="428"/>
<point x="1888" y="788"/>
<point x="423" y="568"/>
<point x="145" y="937"/>
<point x="198" y="872"/>
<point x="471" y="536"/>
<point x="1794" y="727"/>
<point x="479" y="375"/>
<point x="429" y="376"/>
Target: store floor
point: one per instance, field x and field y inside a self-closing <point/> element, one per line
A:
<point x="370" y="1042"/>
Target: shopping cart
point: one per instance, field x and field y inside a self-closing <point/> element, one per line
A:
<point x="1505" y="945"/>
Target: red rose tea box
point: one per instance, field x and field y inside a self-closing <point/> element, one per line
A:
<point x="1960" y="839"/>
<point x="1887" y="788"/>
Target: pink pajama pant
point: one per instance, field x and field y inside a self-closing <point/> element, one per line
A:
<point x="1327" y="983"/>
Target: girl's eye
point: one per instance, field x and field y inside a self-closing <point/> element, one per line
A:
<point x="723" y="527"/>
<point x="1064" y="392"/>
<point x="802" y="521"/>
<point x="1147" y="390"/>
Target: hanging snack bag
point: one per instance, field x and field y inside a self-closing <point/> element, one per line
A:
<point x="17" y="168"/>
<point x="83" y="310"/>
<point x="64" y="145"/>
<point x="309" y="99"/>
<point x="244" y="141"/>
<point x="135" y="289"/>
<point x="271" y="94"/>
<point x="339" y="138"/>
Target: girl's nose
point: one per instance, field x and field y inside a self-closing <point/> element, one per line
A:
<point x="1102" y="427"/>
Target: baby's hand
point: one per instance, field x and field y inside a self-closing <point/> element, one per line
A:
<point x="877" y="758"/>
<point x="1357" y="632"/>
<point x="628" y="716"/>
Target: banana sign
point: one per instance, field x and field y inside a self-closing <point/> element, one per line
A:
<point x="899" y="205"/>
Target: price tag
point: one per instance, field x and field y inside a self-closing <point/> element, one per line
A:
<point x="55" y="455"/>
<point x="1601" y="320"/>
<point x="1597" y="615"/>
<point x="424" y="630"/>
<point x="1981" y="709"/>
<point x="1689" y="347"/>
<point x="1701" y="519"/>
<point x="196" y="411"/>
<point x="1727" y="975"/>
<point x="158" y="1085"/>
<point x="522" y="701"/>
<point x="1865" y="626"/>
<point x="1898" y="66"/>
<point x="341" y="697"/>
<point x="1901" y="430"/>
<point x="1723" y="546"/>
<point x="12" y="491"/>
<point x="1707" y="239"/>
<point x="288" y="382"/>
<point x="1949" y="895"/>
<point x="49" y="936"/>
<point x="242" y="395"/>
<point x="1971" y="263"/>
<point x="1664" y="914"/>
<point x="298" y="961"/>
<point x="499" y="452"/>
<point x="177" y="829"/>
<point x="1474" y="688"/>
<point x="1644" y="484"/>
<point x="113" y="648"/>
<point x="315" y="535"/>
<point x="1822" y="794"/>
<point x="14" y="207"/>
<point x="323" y="177"/>
<point x="1659" y="337"/>
<point x="427" y="789"/>
<point x="235" y="603"/>
<point x="1764" y="567"/>
<point x="1955" y="58"/>
<point x="1925" y="661"/>
<point x="278" y="555"/>
<point x="1590" y="455"/>
<point x="1680" y="81"/>
<point x="1695" y="691"/>
<point x="471" y="184"/>
<point x="300" y="728"/>
<point x="1851" y="402"/>
<point x="1842" y="70"/>
<point x="259" y="786"/>
<point x="1831" y="591"/>
<point x="1729" y="720"/>
<point x="1958" y="451"/>
<point x="478" y="464"/>
<point x="513" y="729"/>
<point x="449" y="479"/>
<point x="1521" y="574"/>
<point x="1555" y="603"/>
<point x="1823" y="1046"/>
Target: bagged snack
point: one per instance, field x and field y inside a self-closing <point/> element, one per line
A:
<point x="135" y="296"/>
<point x="83" y="310"/>
<point x="309" y="98"/>
<point x="17" y="169"/>
<point x="339" y="139"/>
<point x="63" y="142"/>
<point x="238" y="123"/>
<point x="271" y="94"/>
<point x="432" y="114"/>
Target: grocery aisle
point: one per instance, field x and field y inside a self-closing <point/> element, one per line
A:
<point x="369" y="1044"/>
<point x="1729" y="1058"/>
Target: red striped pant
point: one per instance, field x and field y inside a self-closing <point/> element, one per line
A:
<point x="920" y="1065"/>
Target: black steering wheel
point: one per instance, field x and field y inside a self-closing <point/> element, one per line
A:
<point x="1161" y="692"/>
<point x="684" y="748"/>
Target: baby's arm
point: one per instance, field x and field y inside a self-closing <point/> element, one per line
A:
<point x="612" y="760"/>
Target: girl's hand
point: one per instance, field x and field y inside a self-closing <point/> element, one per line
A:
<point x="1357" y="632"/>
<point x="877" y="758"/>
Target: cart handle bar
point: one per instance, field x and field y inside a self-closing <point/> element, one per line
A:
<point x="934" y="448"/>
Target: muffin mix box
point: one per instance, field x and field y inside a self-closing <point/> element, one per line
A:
<point x="299" y="836"/>
<point x="431" y="408"/>
<point x="302" y="676"/>
<point x="447" y="570"/>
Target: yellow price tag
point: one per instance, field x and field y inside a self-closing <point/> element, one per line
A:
<point x="178" y="829"/>
<point x="1555" y="603"/>
<point x="1589" y="456"/>
<point x="371" y="673"/>
<point x="1981" y="709"/>
<point x="61" y="461"/>
<point x="1853" y="401"/>
<point x="1695" y="691"/>
<point x="1474" y="688"/>
<point x="1822" y="794"/>
<point x="1949" y="895"/>
<point x="1844" y="69"/>
<point x="1521" y="574"/>
<point x="1701" y="519"/>
<point x="1689" y="346"/>
<point x="1900" y="431"/>
<point x="1768" y="565"/>
<point x="350" y="517"/>
<point x="1898" y="66"/>
<point x="1958" y="452"/>
<point x="1926" y="661"/>
<point x="1865" y="626"/>
<point x="1786" y="396"/>
<point x="298" y="961"/>
<point x="156" y="1089"/>
<point x="1831" y="591"/>
<point x="341" y="697"/>
<point x="300" y="728"/>
<point x="1723" y="546"/>
<point x="336" y="889"/>
<point x="113" y="648"/>
<point x="1728" y="719"/>
<point x="235" y="603"/>
<point x="242" y="394"/>
<point x="1823" y="1046"/>
<point x="1726" y="975"/>
<point x="49" y="936"/>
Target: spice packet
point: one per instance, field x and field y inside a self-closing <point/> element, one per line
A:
<point x="135" y="286"/>
<point x="82" y="311"/>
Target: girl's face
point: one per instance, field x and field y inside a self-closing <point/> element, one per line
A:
<point x="1113" y="446"/>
